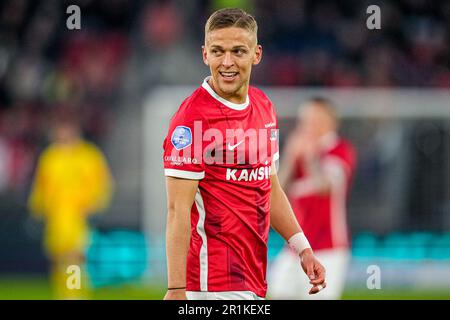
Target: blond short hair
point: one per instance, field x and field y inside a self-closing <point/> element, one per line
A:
<point x="231" y="17"/>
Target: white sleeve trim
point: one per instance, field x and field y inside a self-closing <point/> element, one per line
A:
<point x="276" y="156"/>
<point x="184" y="174"/>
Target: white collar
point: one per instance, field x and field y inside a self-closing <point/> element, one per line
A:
<point x="231" y="105"/>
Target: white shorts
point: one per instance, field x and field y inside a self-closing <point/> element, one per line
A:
<point x="222" y="295"/>
<point x="286" y="279"/>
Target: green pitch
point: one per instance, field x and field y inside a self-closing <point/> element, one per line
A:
<point x="30" y="288"/>
<point x="38" y="289"/>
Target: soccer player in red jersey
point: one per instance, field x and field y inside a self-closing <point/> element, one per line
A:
<point x="222" y="189"/>
<point x="316" y="172"/>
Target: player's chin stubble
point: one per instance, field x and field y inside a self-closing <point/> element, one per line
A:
<point x="232" y="89"/>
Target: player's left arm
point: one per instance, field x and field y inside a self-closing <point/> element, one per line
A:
<point x="283" y="221"/>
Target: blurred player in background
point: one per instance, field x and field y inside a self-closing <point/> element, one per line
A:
<point x="72" y="181"/>
<point x="219" y="214"/>
<point x="316" y="172"/>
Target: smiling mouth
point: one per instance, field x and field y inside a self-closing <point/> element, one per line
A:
<point x="228" y="75"/>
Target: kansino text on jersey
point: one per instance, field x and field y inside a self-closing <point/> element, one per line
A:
<point x="257" y="174"/>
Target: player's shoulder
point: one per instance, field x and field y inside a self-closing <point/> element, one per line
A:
<point x="258" y="94"/>
<point x="193" y="107"/>
<point x="89" y="146"/>
<point x="345" y="150"/>
<point x="346" y="145"/>
<point x="260" y="97"/>
<point x="48" y="152"/>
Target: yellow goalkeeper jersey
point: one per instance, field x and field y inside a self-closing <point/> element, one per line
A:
<point x="71" y="182"/>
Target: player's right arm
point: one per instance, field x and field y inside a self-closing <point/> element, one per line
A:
<point x="180" y="198"/>
<point x="183" y="168"/>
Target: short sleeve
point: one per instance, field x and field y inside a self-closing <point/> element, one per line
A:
<point x="275" y="133"/>
<point x="183" y="149"/>
<point x="274" y="138"/>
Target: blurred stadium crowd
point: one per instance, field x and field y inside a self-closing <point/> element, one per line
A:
<point x="127" y="47"/>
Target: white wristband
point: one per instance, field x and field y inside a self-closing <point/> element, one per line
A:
<point x="298" y="243"/>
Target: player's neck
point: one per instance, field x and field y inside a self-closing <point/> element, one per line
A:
<point x="237" y="97"/>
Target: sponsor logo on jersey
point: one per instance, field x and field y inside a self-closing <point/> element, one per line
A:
<point x="257" y="174"/>
<point x="177" y="160"/>
<point x="234" y="146"/>
<point x="181" y="137"/>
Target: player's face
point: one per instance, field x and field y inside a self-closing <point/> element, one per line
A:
<point x="65" y="134"/>
<point x="314" y="122"/>
<point x="230" y="54"/>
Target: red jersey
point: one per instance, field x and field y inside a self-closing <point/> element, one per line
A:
<point x="323" y="217"/>
<point x="229" y="148"/>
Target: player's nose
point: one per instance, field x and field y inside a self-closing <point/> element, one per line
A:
<point x="227" y="60"/>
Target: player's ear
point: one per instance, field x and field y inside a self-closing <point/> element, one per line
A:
<point x="258" y="55"/>
<point x="205" y="57"/>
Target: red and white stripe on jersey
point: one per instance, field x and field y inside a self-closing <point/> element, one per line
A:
<point x="203" y="254"/>
<point x="230" y="217"/>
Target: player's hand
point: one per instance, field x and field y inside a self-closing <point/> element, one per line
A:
<point x="179" y="294"/>
<point x="310" y="149"/>
<point x="314" y="270"/>
<point x="301" y="145"/>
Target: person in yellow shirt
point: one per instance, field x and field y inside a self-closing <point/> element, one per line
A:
<point x="72" y="181"/>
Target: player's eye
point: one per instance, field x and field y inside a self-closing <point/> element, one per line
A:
<point x="216" y="51"/>
<point x="239" y="51"/>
